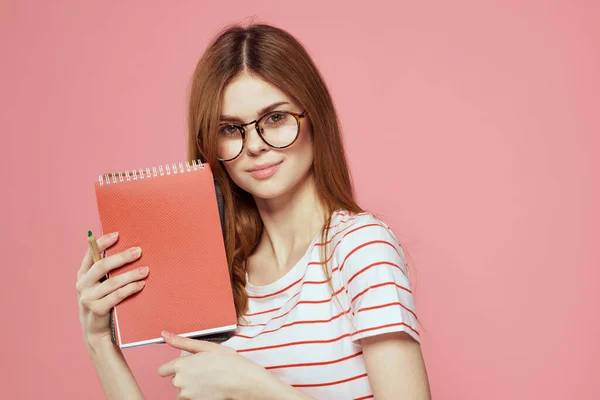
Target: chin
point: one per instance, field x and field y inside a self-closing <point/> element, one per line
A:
<point x="266" y="190"/>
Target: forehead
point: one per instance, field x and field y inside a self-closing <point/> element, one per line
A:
<point x="246" y="94"/>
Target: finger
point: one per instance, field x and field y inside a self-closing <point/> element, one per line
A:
<point x="116" y="282"/>
<point x="103" y="305"/>
<point x="187" y="344"/>
<point x="104" y="242"/>
<point x="107" y="264"/>
<point x="168" y="369"/>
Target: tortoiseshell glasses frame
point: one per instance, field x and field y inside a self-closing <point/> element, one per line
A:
<point x="260" y="129"/>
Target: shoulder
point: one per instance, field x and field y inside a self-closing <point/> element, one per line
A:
<point x="355" y="228"/>
<point x="343" y="219"/>
<point x="363" y="237"/>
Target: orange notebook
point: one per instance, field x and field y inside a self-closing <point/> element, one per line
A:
<point x="171" y="212"/>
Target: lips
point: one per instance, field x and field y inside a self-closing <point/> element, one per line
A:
<point x="263" y="166"/>
<point x="264" y="171"/>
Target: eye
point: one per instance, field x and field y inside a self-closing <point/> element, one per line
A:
<point x="228" y="130"/>
<point x="276" y="117"/>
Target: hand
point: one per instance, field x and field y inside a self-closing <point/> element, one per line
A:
<point x="213" y="371"/>
<point x="95" y="298"/>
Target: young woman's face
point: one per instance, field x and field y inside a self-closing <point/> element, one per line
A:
<point x="243" y="97"/>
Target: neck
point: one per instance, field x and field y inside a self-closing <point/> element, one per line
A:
<point x="290" y="221"/>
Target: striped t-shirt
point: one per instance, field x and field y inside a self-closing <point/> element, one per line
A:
<point x="297" y="330"/>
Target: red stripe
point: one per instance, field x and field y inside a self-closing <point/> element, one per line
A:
<point x="297" y="293"/>
<point x="349" y="219"/>
<point x="327" y="260"/>
<point x="315" y="363"/>
<point x="286" y="288"/>
<point x="364" y="245"/>
<point x="377" y="286"/>
<point x="397" y="303"/>
<point x="314" y="321"/>
<point x="277" y="292"/>
<point x="268" y="311"/>
<point x="294" y="306"/>
<point x="337" y="233"/>
<point x="365" y="397"/>
<point x="325" y="341"/>
<point x="374" y="265"/>
<point x="330" y="383"/>
<point x="347" y="233"/>
<point x="276" y="346"/>
<point x="387" y="326"/>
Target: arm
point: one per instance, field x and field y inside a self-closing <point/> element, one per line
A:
<point x="115" y="376"/>
<point x="375" y="273"/>
<point x="394" y="363"/>
<point x="395" y="366"/>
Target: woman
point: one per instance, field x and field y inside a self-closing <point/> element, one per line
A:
<point x="321" y="287"/>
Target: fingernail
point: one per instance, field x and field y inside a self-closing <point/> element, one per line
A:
<point x="136" y="251"/>
<point x="114" y="235"/>
<point x="165" y="334"/>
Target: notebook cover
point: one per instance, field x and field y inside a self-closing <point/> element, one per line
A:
<point x="175" y="219"/>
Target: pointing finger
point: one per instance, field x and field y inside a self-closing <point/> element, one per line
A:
<point x="189" y="345"/>
<point x="168" y="369"/>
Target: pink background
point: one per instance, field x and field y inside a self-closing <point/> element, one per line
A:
<point x="470" y="128"/>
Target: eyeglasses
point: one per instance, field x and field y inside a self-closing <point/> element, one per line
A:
<point x="278" y="129"/>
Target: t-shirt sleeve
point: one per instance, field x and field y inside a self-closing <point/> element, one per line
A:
<point x="373" y="269"/>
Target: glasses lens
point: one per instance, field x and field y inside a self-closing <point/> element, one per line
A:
<point x="279" y="129"/>
<point x="230" y="142"/>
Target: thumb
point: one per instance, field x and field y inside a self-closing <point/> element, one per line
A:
<point x="187" y="344"/>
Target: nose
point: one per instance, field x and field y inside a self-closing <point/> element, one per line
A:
<point x="254" y="143"/>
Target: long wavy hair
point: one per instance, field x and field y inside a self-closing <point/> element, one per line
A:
<point x="277" y="57"/>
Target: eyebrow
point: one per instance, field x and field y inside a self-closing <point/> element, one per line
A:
<point x="260" y="112"/>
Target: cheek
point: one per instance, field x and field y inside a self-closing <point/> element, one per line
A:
<point x="306" y="159"/>
<point x="299" y="162"/>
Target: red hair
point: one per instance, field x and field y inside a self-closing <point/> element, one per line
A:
<point x="274" y="55"/>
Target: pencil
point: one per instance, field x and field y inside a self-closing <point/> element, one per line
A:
<point x="93" y="246"/>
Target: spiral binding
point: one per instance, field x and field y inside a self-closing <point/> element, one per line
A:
<point x="141" y="174"/>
